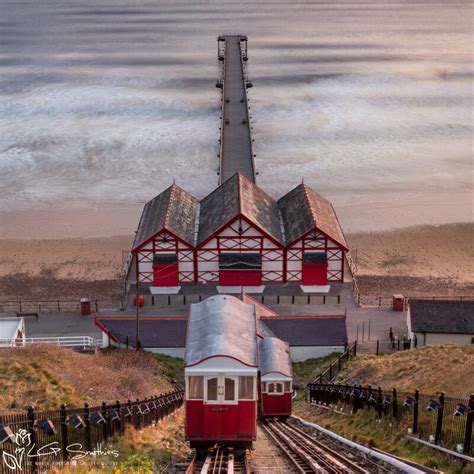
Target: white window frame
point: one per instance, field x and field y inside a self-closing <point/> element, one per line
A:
<point x="221" y="389"/>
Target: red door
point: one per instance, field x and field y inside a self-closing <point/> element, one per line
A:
<point x="165" y="270"/>
<point x="315" y="268"/>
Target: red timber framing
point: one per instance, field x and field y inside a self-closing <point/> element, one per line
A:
<point x="240" y="236"/>
<point x="164" y="242"/>
<point x="315" y="241"/>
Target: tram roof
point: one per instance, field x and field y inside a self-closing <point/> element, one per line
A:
<point x="274" y="356"/>
<point x="221" y="326"/>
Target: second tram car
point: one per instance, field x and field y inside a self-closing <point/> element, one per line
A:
<point x="221" y="367"/>
<point x="276" y="376"/>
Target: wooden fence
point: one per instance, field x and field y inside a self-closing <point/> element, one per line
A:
<point x="49" y="438"/>
<point x="437" y="419"/>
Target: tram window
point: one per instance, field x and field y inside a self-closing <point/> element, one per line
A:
<point x="212" y="389"/>
<point x="264" y="386"/>
<point x="195" y="387"/>
<point x="229" y="386"/>
<point x="245" y="388"/>
<point x="287" y="386"/>
<point x="271" y="388"/>
<point x="279" y="388"/>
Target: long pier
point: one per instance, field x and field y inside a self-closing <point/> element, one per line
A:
<point x="236" y="154"/>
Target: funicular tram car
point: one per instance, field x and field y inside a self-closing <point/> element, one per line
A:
<point x="276" y="376"/>
<point x="221" y="366"/>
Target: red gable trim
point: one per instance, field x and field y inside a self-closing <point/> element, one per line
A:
<point x="246" y="219"/>
<point x="142" y="318"/>
<point x="104" y="330"/>
<point x="317" y="229"/>
<point x="221" y="355"/>
<point x="136" y="249"/>
<point x="304" y="316"/>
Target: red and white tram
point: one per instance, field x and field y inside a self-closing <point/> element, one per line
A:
<point x="221" y="366"/>
<point x="276" y="377"/>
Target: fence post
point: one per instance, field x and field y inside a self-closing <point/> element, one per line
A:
<point x="129" y="406"/>
<point x="119" y="412"/>
<point x="468" y="433"/>
<point x="439" y="420"/>
<point x="415" y="412"/>
<point x="398" y="344"/>
<point x="339" y="364"/>
<point x="394" y="404"/>
<point x="87" y="428"/>
<point x="59" y="306"/>
<point x="330" y="372"/>
<point x="416" y="341"/>
<point x="104" y="426"/>
<point x="31" y="430"/>
<point x="64" y="441"/>
<point x="355" y="348"/>
<point x="377" y="349"/>
<point x="379" y="402"/>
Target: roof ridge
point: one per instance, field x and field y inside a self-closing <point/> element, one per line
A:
<point x="311" y="210"/>
<point x="239" y="194"/>
<point x="168" y="205"/>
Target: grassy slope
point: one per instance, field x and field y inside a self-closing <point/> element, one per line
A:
<point x="47" y="376"/>
<point x="311" y="368"/>
<point x="430" y="369"/>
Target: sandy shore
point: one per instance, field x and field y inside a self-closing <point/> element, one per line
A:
<point x="425" y="260"/>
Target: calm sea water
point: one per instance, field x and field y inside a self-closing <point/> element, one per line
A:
<point x="108" y="101"/>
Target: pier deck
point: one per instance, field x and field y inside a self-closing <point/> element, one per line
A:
<point x="236" y="142"/>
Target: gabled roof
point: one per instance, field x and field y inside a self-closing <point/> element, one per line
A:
<point x="442" y="316"/>
<point x="173" y="210"/>
<point x="238" y="195"/>
<point x="274" y="356"/>
<point x="154" y="331"/>
<point x="303" y="209"/>
<point x="224" y="326"/>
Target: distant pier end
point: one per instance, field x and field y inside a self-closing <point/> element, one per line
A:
<point x="236" y="154"/>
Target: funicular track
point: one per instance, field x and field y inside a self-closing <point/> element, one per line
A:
<point x="219" y="460"/>
<point x="308" y="454"/>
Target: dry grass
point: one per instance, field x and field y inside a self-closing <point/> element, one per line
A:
<point x="47" y="376"/>
<point x="150" y="450"/>
<point x="162" y="442"/>
<point x="430" y="369"/>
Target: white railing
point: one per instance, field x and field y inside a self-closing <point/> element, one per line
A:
<point x="84" y="342"/>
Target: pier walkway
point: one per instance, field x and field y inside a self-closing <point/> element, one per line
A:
<point x="236" y="153"/>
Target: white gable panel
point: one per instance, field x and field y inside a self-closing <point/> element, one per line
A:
<point x="334" y="264"/>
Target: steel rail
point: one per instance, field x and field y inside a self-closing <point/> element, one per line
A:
<point x="307" y="454"/>
<point x="340" y="459"/>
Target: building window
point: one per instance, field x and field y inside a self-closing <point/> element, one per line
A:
<point x="195" y="387"/>
<point x="246" y="388"/>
